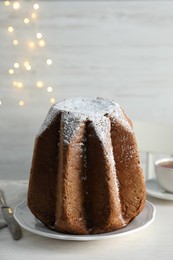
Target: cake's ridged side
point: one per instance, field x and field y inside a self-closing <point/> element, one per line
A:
<point x="42" y="185"/>
<point x="129" y="173"/>
<point x="85" y="175"/>
<point x="70" y="211"/>
<point x="103" y="204"/>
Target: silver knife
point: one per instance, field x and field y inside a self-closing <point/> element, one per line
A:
<point x="7" y="213"/>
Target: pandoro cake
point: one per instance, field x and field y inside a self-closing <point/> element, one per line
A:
<point x="86" y="176"/>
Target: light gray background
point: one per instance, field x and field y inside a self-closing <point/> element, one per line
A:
<point x="117" y="49"/>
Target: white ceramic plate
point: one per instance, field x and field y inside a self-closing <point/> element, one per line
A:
<point x="155" y="190"/>
<point x="27" y="220"/>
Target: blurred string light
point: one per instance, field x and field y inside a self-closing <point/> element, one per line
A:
<point x="16" y="65"/>
<point x="49" y="62"/>
<point x="6" y="3"/>
<point x="15" y="42"/>
<point x="49" y="89"/>
<point x="33" y="15"/>
<point x="26" y="63"/>
<point x="36" y="6"/>
<point x="39" y="35"/>
<point x="26" y="20"/>
<point x="16" y="5"/>
<point x="52" y="100"/>
<point x="39" y="84"/>
<point x="28" y="67"/>
<point x="17" y="84"/>
<point x="11" y="71"/>
<point x="38" y="41"/>
<point x="31" y="44"/>
<point x="10" y="29"/>
<point x="41" y="43"/>
<point x="21" y="103"/>
<point x="14" y="83"/>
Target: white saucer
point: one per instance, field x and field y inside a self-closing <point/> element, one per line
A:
<point x="27" y="220"/>
<point x="155" y="190"/>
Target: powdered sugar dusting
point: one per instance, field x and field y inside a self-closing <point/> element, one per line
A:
<point x="118" y="115"/>
<point x="93" y="107"/>
<point x="103" y="131"/>
<point x="52" y="114"/>
<point x="71" y="123"/>
<point x="85" y="108"/>
<point x="88" y="106"/>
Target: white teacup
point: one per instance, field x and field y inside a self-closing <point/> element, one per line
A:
<point x="164" y="173"/>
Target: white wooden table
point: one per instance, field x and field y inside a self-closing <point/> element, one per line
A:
<point x="154" y="242"/>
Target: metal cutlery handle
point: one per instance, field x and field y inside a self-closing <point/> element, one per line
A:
<point x="7" y="214"/>
<point x="12" y="223"/>
<point x="2" y="199"/>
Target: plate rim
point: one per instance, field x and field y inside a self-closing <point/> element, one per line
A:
<point x="90" y="237"/>
<point x="164" y="196"/>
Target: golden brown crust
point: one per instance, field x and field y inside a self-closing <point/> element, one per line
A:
<point x="104" y="209"/>
<point x="81" y="183"/>
<point x="129" y="172"/>
<point x="70" y="213"/>
<point x="42" y="184"/>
